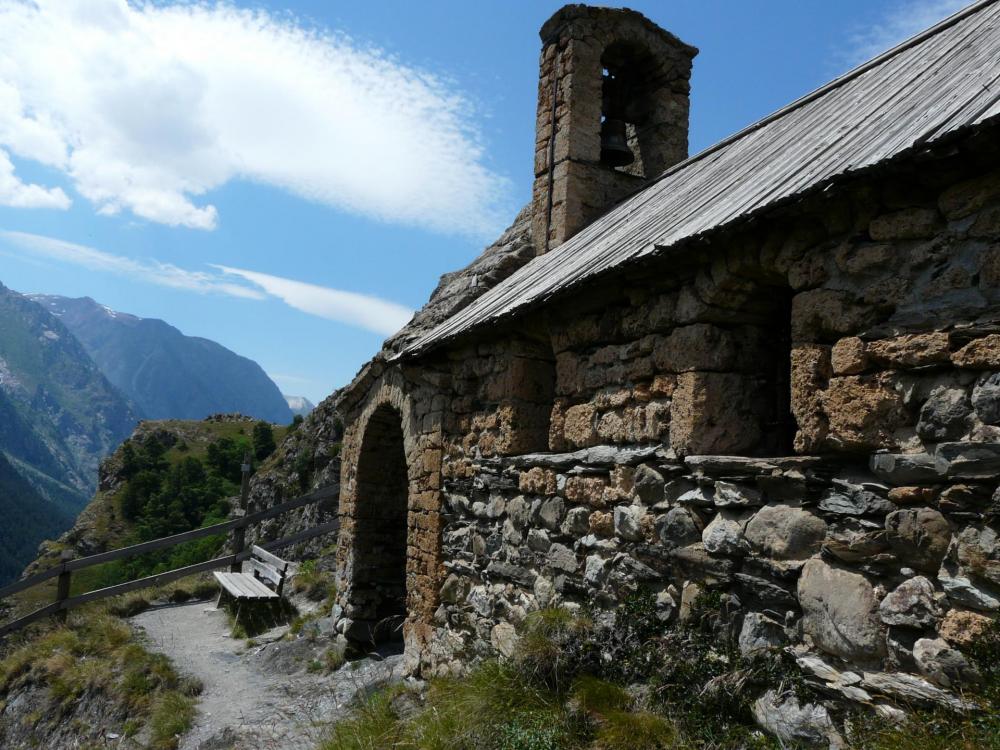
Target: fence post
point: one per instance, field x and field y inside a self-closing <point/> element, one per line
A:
<point x="63" y="582"/>
<point x="240" y="533"/>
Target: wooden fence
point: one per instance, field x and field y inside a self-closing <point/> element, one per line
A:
<point x="64" y="571"/>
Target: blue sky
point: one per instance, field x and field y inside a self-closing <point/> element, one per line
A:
<point x="291" y="178"/>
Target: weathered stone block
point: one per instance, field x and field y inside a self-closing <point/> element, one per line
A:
<point x="724" y="535"/>
<point x="713" y="412"/>
<point x="811" y="371"/>
<point x="537" y="481"/>
<point x="911" y="350"/>
<point x="907" y="224"/>
<point x="840" y="612"/>
<point x="848" y="356"/>
<point x="863" y="412"/>
<point x="785" y="533"/>
<point x="945" y="414"/>
<point x="822" y="315"/>
<point x="579" y="426"/>
<point x="586" y="491"/>
<point x="979" y="354"/>
<point x="920" y="537"/>
<point x="911" y="604"/>
<point x="970" y="196"/>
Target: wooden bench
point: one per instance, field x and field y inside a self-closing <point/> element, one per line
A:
<point x="265" y="567"/>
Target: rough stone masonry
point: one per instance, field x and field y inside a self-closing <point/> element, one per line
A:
<point x="802" y="410"/>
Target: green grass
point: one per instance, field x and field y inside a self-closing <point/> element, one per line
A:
<point x="94" y="655"/>
<point x="565" y="689"/>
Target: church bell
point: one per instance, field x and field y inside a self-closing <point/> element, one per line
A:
<point x="614" y="144"/>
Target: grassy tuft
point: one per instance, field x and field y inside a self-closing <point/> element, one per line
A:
<point x="94" y="654"/>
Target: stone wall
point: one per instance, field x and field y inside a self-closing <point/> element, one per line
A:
<point x="624" y="436"/>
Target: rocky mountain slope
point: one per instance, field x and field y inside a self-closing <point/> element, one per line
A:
<point x="59" y="416"/>
<point x="299" y="405"/>
<point x="167" y="374"/>
<point x="28" y="517"/>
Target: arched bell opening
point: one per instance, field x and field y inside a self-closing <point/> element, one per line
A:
<point x="378" y="582"/>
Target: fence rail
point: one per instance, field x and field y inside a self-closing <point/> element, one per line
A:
<point x="238" y="526"/>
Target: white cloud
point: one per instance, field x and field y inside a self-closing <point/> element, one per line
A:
<point x="901" y="20"/>
<point x="360" y="310"/>
<point x="372" y="313"/>
<point x="17" y="194"/>
<point x="150" y="271"/>
<point x="148" y="107"/>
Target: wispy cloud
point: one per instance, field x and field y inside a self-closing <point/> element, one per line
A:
<point x="360" y="310"/>
<point x="899" y="21"/>
<point x="148" y="107"/>
<point x="285" y="378"/>
<point x="375" y="314"/>
<point x="149" y="271"/>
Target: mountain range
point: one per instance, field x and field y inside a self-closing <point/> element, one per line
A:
<point x="75" y="379"/>
<point x="166" y="374"/>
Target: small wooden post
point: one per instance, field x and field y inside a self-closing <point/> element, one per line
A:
<point x="240" y="534"/>
<point x="63" y="582"/>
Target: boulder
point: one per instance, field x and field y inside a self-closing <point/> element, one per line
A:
<point x="503" y="638"/>
<point x="945" y="414"/>
<point x="729" y="494"/>
<point x="911" y="689"/>
<point x="538" y="540"/>
<point x="724" y="535"/>
<point x="576" y="523"/>
<point x="986" y="398"/>
<point x="854" y="500"/>
<point x="808" y="724"/>
<point x="907" y="468"/>
<point x="978" y="551"/>
<point x="628" y="522"/>
<point x="785" y="533"/>
<point x="454" y="589"/>
<point x="840" y="612"/>
<point x="760" y="633"/>
<point x="963" y="591"/>
<point x="961" y="628"/>
<point x="562" y="558"/>
<point x="649" y="484"/>
<point x="967" y="460"/>
<point x="911" y="604"/>
<point x="944" y="665"/>
<point x="666" y="606"/>
<point x="864" y="412"/>
<point x="855" y="540"/>
<point x="549" y="513"/>
<point x="595" y="570"/>
<point x="919" y="536"/>
<point x="678" y="527"/>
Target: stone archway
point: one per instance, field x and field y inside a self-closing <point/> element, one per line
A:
<point x="378" y="585"/>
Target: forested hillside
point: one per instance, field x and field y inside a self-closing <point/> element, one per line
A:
<point x="27" y="518"/>
<point x="167" y="477"/>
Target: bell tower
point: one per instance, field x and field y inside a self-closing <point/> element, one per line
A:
<point x="613" y="99"/>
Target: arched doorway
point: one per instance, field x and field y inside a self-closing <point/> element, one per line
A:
<point x="378" y="586"/>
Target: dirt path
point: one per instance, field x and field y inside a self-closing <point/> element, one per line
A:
<point x="262" y="697"/>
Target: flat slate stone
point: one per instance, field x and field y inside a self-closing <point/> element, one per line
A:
<point x="907" y="468"/>
<point x="966" y="460"/>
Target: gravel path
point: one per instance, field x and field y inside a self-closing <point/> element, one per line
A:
<point x="262" y="697"/>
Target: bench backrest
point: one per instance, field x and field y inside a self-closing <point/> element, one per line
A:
<point x="268" y="567"/>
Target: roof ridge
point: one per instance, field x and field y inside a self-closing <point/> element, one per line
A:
<point x="816" y="93"/>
